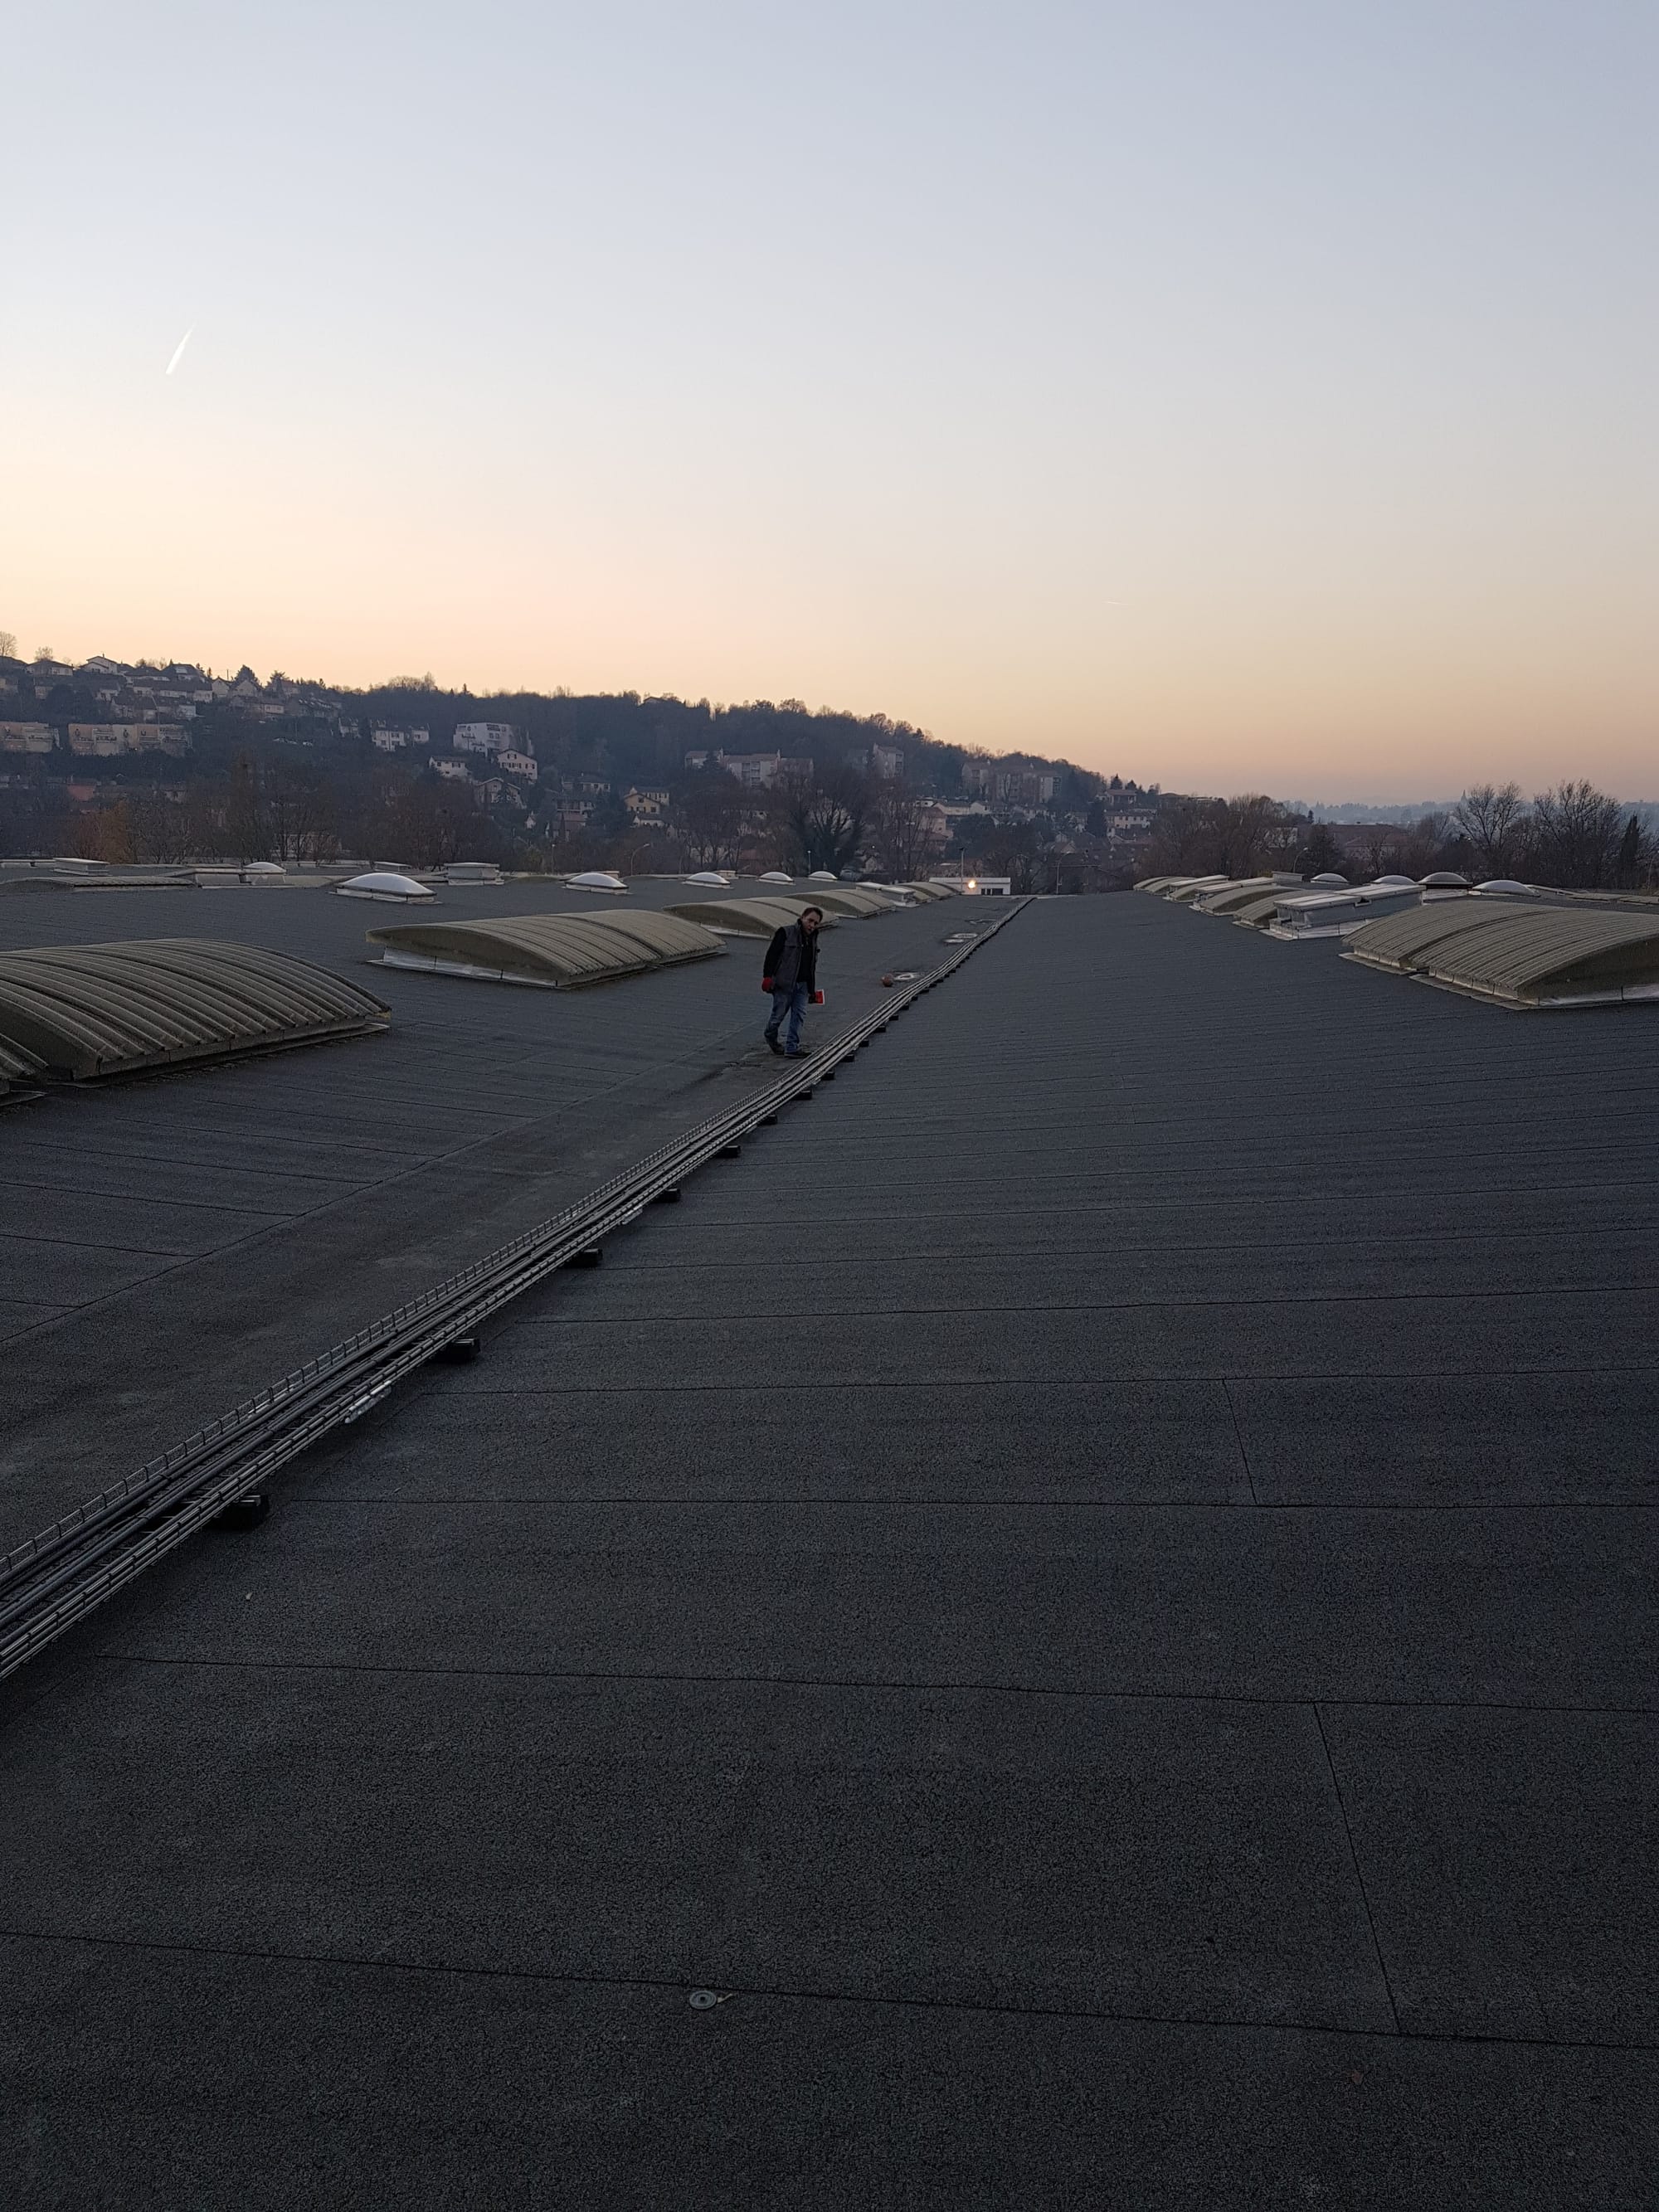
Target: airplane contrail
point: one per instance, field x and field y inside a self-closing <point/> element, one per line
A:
<point x="178" y="350"/>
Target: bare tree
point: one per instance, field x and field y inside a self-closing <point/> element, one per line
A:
<point x="1421" y="847"/>
<point x="1223" y="836"/>
<point x="426" y="820"/>
<point x="1492" y="818"/>
<point x="1378" y="849"/>
<point x="1258" y="833"/>
<point x="714" y="820"/>
<point x="1575" y="832"/>
<point x="826" y="824"/>
<point x="1180" y="843"/>
<point x="158" y="827"/>
<point x="247" y="827"/>
<point x="103" y="833"/>
<point x="8" y="645"/>
<point x="298" y="809"/>
<point x="901" y="830"/>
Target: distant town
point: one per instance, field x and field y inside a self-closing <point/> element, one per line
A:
<point x="158" y="761"/>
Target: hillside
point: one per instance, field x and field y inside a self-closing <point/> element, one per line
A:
<point x="163" y="760"/>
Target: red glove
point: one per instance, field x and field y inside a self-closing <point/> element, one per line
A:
<point x="817" y="998"/>
<point x="766" y="983"/>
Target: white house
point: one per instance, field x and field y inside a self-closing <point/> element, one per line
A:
<point x="484" y="737"/>
<point x="523" y="765"/>
<point x="453" y="771"/>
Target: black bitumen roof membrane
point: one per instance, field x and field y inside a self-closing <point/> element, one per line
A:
<point x="168" y="1246"/>
<point x="1095" y="1588"/>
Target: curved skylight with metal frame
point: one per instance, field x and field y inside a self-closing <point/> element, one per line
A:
<point x="88" y="1011"/>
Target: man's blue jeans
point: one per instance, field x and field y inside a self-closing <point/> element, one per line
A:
<point x="791" y="1000"/>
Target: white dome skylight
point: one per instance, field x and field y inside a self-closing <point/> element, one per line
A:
<point x="382" y="883"/>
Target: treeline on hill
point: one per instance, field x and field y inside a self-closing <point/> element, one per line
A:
<point x="305" y="782"/>
<point x="287" y="771"/>
<point x="1573" y="837"/>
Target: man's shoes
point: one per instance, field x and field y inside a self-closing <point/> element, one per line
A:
<point x="798" y="1055"/>
<point x="772" y="1045"/>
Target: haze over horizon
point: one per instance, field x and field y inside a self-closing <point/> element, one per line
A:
<point x="1231" y="399"/>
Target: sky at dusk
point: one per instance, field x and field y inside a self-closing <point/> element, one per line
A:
<point x="1239" y="394"/>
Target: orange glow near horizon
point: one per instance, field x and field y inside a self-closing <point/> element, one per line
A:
<point x="1218" y="449"/>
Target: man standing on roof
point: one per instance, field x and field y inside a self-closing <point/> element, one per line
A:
<point x="791" y="977"/>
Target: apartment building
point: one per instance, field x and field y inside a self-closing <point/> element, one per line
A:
<point x="485" y="738"/>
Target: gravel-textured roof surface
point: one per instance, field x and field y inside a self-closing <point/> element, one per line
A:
<point x="1095" y="1587"/>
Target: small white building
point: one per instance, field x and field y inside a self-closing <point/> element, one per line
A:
<point x="523" y="765"/>
<point x="453" y="771"/>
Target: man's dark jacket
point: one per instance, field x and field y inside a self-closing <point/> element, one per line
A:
<point x="792" y="958"/>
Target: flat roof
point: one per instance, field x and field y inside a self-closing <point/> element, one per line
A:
<point x="1074" y="1626"/>
<point x="164" y="1249"/>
